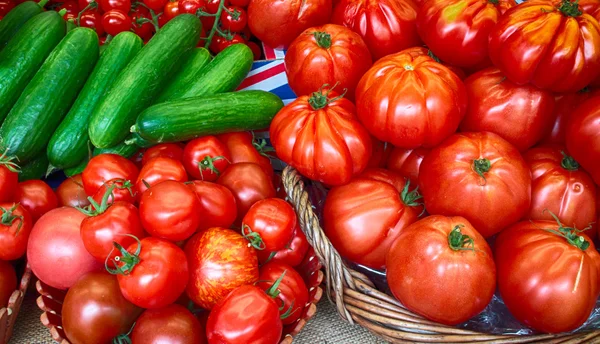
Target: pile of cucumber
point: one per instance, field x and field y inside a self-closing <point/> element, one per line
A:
<point x="63" y="100"/>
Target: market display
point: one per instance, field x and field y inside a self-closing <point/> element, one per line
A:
<point x="450" y="147"/>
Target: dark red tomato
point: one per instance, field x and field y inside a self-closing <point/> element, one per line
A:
<point x="278" y="23"/>
<point x="123" y="191"/>
<point x="15" y="228"/>
<point x="236" y="39"/>
<point x="105" y="167"/>
<point x="140" y="26"/>
<point x="156" y="5"/>
<point x="406" y="162"/>
<point x="8" y="282"/>
<point x="165" y="150"/>
<point x="479" y="176"/>
<point x="137" y="158"/>
<point x="37" y="197"/>
<point x="243" y="147"/>
<point x="5" y="7"/>
<point x="158" y="170"/>
<point x="94" y="311"/>
<point x="521" y="115"/>
<point x="270" y="224"/>
<point x="583" y="141"/>
<point x="564" y="106"/>
<point x="246" y="34"/>
<point x="84" y="3"/>
<point x="122" y="5"/>
<point x="72" y="9"/>
<point x="240" y="3"/>
<point x="173" y="324"/>
<point x="248" y="184"/>
<point x="171" y="10"/>
<point x="190" y="6"/>
<point x="443" y="254"/>
<point x="387" y="26"/>
<point x="217" y="204"/>
<point x="220" y="260"/>
<point x="205" y="158"/>
<point x="9" y="178"/>
<point x="55" y="239"/>
<point x="246" y="315"/>
<point x="115" y="22"/>
<point x="234" y="18"/>
<point x="548" y="275"/>
<point x="169" y="210"/>
<point x="93" y="20"/>
<point x="380" y="153"/>
<point x="293" y="294"/>
<point x="70" y="193"/>
<point x="157" y="277"/>
<point x="256" y="50"/>
<point x="293" y="254"/>
<point x="216" y="44"/>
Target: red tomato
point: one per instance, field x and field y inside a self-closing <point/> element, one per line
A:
<point x="156" y="5"/>
<point x="406" y="162"/>
<point x="123" y="191"/>
<point x="158" y="170"/>
<point x="37" y="197"/>
<point x="189" y="6"/>
<point x="122" y="5"/>
<point x="55" y="239"/>
<point x="409" y="100"/>
<point x="216" y="44"/>
<point x="15" y="228"/>
<point x="548" y="275"/>
<point x="169" y="211"/>
<point x="173" y="324"/>
<point x="236" y="39"/>
<point x="94" y="311"/>
<point x="8" y="282"/>
<point x="205" y="158"/>
<point x="244" y="148"/>
<point x="137" y="158"/>
<point x="138" y="18"/>
<point x="380" y="153"/>
<point x="152" y="273"/>
<point x="115" y="22"/>
<point x="240" y="3"/>
<point x="583" y="141"/>
<point x="217" y="204"/>
<point x="105" y="167"/>
<point x="479" y="176"/>
<point x="248" y="184"/>
<point x="256" y="50"/>
<point x="93" y="20"/>
<point x="70" y="193"/>
<point x="165" y="150"/>
<point x="9" y="178"/>
<point x="171" y="9"/>
<point x="270" y="224"/>
<point x="564" y="106"/>
<point x="278" y="23"/>
<point x="72" y="9"/>
<point x="5" y="7"/>
<point x="548" y="43"/>
<point x="443" y="254"/>
<point x="246" y="315"/>
<point x="387" y="26"/>
<point x="457" y="31"/>
<point x="84" y="3"/>
<point x="234" y="18"/>
<point x="389" y="177"/>
<point x="321" y="138"/>
<point x="220" y="261"/>
<point x="328" y="54"/>
<point x="293" y="254"/>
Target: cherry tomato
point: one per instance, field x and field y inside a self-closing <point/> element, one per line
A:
<point x="212" y="6"/>
<point x="234" y="19"/>
<point x="122" y="5"/>
<point x="217" y="204"/>
<point x="144" y="30"/>
<point x="15" y="227"/>
<point x="189" y="6"/>
<point x="236" y="39"/>
<point x="105" y="167"/>
<point x="93" y="20"/>
<point x="160" y="169"/>
<point x="37" y="197"/>
<point x="123" y="191"/>
<point x="5" y="7"/>
<point x="293" y="254"/>
<point x="256" y="50"/>
<point x="156" y="5"/>
<point x="173" y="324"/>
<point x="8" y="282"/>
<point x="115" y="22"/>
<point x="206" y="158"/>
<point x="72" y="9"/>
<point x="9" y="178"/>
<point x="165" y="150"/>
<point x="240" y="3"/>
<point x="270" y="224"/>
<point x="70" y="193"/>
<point x="216" y="44"/>
<point x="245" y="148"/>
<point x="171" y="10"/>
<point x="84" y="3"/>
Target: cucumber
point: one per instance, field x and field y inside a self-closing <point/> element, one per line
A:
<point x="70" y="25"/>
<point x="187" y="75"/>
<point x="137" y="141"/>
<point x="25" y="53"/>
<point x="141" y="81"/>
<point x="14" y="20"/>
<point x="69" y="144"/>
<point x="47" y="98"/>
<point x="223" y="74"/>
<point x="122" y="149"/>
<point x="77" y="169"/>
<point x="187" y="119"/>
<point x="35" y="169"/>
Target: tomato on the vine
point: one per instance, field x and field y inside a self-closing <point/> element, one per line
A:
<point x="93" y="20"/>
<point x="165" y="150"/>
<point x="240" y="3"/>
<point x="217" y="204"/>
<point x="158" y="170"/>
<point x="235" y="39"/>
<point x="8" y="282"/>
<point x="205" y="158"/>
<point x="5" y="7"/>
<point x="189" y="6"/>
<point x="84" y="3"/>
<point x="105" y="167"/>
<point x="15" y="227"/>
<point x="9" y="178"/>
<point x="116" y="21"/>
<point x="173" y="324"/>
<point x="72" y="9"/>
<point x="122" y="5"/>
<point x="37" y="197"/>
<point x="171" y="10"/>
<point x="155" y="5"/>
<point x="140" y="24"/>
<point x="269" y="224"/>
<point x="234" y="18"/>
<point x="216" y="43"/>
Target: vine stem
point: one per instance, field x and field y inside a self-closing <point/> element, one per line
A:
<point x="215" y="24"/>
<point x="154" y="16"/>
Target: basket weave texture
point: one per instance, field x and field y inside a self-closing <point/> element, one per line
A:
<point x="8" y="314"/>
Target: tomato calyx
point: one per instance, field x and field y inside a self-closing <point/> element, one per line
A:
<point x="481" y="166"/>
<point x="274" y="292"/>
<point x="570" y="234"/>
<point x="570" y="9"/>
<point x="320" y="99"/>
<point x="8" y="162"/>
<point x="323" y="39"/>
<point x="126" y="261"/>
<point x="568" y="163"/>
<point x="254" y="239"/>
<point x="124" y="338"/>
<point x="208" y="163"/>
<point x="8" y="217"/>
<point x="493" y="2"/>
<point x="139" y="21"/>
<point x="433" y="56"/>
<point x="95" y="209"/>
<point x="410" y="198"/>
<point x="261" y="146"/>
<point x="460" y="242"/>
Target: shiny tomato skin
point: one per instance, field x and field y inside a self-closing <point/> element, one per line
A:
<point x="220" y="260"/>
<point x="448" y="178"/>
<point x="326" y="54"/>
<point x="171" y="10"/>
<point x="387" y="26"/>
<point x="37" y="197"/>
<point x="217" y="204"/>
<point x="105" y="167"/>
<point x="55" y="238"/>
<point x="564" y="106"/>
<point x="93" y="20"/>
<point x="205" y="158"/>
<point x="116" y="21"/>
<point x="14" y="233"/>
<point x="521" y="115"/>
<point x="536" y="43"/>
<point x="278" y="23"/>
<point x="406" y="162"/>
<point x="144" y="30"/>
<point x="5" y="7"/>
<point x="8" y="183"/>
<point x="422" y="252"/>
<point x="173" y="324"/>
<point x="583" y="142"/>
<point x="71" y="193"/>
<point x="166" y="150"/>
<point x="8" y="282"/>
<point x="274" y="220"/>
<point x="113" y="314"/>
<point x="293" y="254"/>
<point x="121" y="193"/>
<point x="107" y="5"/>
<point x="546" y="283"/>
<point x="380" y="153"/>
<point x="241" y="146"/>
<point x="234" y="19"/>
<point x="328" y="144"/>
<point x="158" y="170"/>
<point x="246" y="315"/>
<point x="411" y="101"/>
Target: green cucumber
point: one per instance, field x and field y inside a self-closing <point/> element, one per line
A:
<point x="47" y="98"/>
<point x="122" y="149"/>
<point x="14" y="20"/>
<point x="70" y="25"/>
<point x="25" y="53"/>
<point x="187" y="75"/>
<point x="69" y="144"/>
<point x="187" y="119"/>
<point x="141" y="81"/>
<point x="137" y="141"/>
<point x="223" y="74"/>
<point x="35" y="169"/>
<point x="77" y="169"/>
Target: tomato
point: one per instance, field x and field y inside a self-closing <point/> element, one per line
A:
<point x="240" y="3"/>
<point x="387" y="26"/>
<point x="169" y="210"/>
<point x="5" y="7"/>
<point x="94" y="311"/>
<point x="9" y="178"/>
<point x="292" y="254"/>
<point x="443" y="254"/>
<point x="234" y="18"/>
<point x="564" y="106"/>
<point x="236" y="39"/>
<point x="278" y="23"/>
<point x="152" y="273"/>
<point x="243" y="147"/>
<point x="457" y="30"/>
<point x="165" y="150"/>
<point x="156" y="5"/>
<point x="321" y="138"/>
<point x="206" y="158"/>
<point x="216" y="44"/>
<point x="248" y="184"/>
<point x="37" y="197"/>
<point x="380" y="153"/>
<point x="55" y="239"/>
<point x="70" y="193"/>
<point x="270" y="224"/>
<point x="105" y="167"/>
<point x="190" y="6"/>
<point x="122" y="5"/>
<point x="171" y="9"/>
<point x="479" y="176"/>
<point x="217" y="207"/>
<point x="15" y="228"/>
<point x="246" y="315"/>
<point x="583" y="141"/>
<point x="115" y="22"/>
<point x="123" y="191"/>
<point x="548" y="43"/>
<point x="8" y="282"/>
<point x="137" y="158"/>
<point x="406" y="162"/>
<point x="592" y="7"/>
<point x="173" y="324"/>
<point x="72" y="9"/>
<point x="256" y="50"/>
<point x="220" y="261"/>
<point x="84" y="3"/>
<point x="93" y="20"/>
<point x="158" y="170"/>
<point x="548" y="275"/>
<point x="140" y="26"/>
<point x="409" y="100"/>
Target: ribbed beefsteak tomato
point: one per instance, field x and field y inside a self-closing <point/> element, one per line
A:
<point x="592" y="7"/>
<point x="406" y="162"/>
<point x="583" y="141"/>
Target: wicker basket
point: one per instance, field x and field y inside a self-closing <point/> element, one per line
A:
<point x="8" y="315"/>
<point x="358" y="300"/>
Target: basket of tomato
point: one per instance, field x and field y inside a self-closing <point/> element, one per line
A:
<point x="13" y="287"/>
